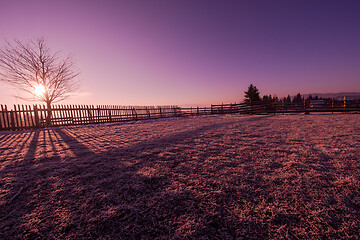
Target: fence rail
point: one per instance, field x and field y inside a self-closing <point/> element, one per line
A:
<point x="24" y="117"/>
<point x="306" y="106"/>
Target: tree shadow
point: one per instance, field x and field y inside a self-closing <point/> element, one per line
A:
<point x="190" y="184"/>
<point x="139" y="196"/>
<point x="16" y="187"/>
<point x="128" y="192"/>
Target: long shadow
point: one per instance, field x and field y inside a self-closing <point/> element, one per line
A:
<point x="110" y="195"/>
<point x="8" y="147"/>
<point x="15" y="179"/>
<point x="6" y="139"/>
<point x="130" y="192"/>
<point x="134" y="208"/>
<point x="32" y="148"/>
<point x="32" y="197"/>
<point x="30" y="153"/>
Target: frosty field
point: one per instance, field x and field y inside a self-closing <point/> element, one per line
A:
<point x="215" y="177"/>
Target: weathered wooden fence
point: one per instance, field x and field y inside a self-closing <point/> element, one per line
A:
<point x="23" y="117"/>
<point x="306" y="106"/>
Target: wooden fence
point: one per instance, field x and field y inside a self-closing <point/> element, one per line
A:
<point x="24" y="117"/>
<point x="307" y="107"/>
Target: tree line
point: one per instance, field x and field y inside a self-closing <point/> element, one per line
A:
<point x="253" y="95"/>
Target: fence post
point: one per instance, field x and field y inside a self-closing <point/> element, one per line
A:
<point x="273" y="106"/>
<point x="98" y="113"/>
<point x="1" y="127"/>
<point x="134" y="114"/>
<point x="89" y="114"/>
<point x="160" y="112"/>
<point x="344" y="104"/>
<point x="17" y="121"/>
<point x="2" y="118"/>
<point x="7" y="116"/>
<point x="109" y="112"/>
<point x="12" y="120"/>
<point x="306" y="112"/>
<point x="148" y="112"/>
<point x="36" y="116"/>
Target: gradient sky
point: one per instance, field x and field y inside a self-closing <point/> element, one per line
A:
<point x="194" y="52"/>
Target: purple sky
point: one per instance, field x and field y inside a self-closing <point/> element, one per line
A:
<point x="194" y="52"/>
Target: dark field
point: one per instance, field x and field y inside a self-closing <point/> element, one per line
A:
<point x="224" y="177"/>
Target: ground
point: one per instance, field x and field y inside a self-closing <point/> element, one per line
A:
<point x="213" y="177"/>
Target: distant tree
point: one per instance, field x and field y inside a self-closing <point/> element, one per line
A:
<point x="34" y="69"/>
<point x="288" y="99"/>
<point x="310" y="97"/>
<point x="275" y="98"/>
<point x="269" y="98"/>
<point x="316" y="98"/>
<point x="252" y="94"/>
<point x="297" y="98"/>
<point x="266" y="98"/>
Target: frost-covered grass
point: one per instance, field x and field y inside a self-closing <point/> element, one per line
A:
<point x="223" y="177"/>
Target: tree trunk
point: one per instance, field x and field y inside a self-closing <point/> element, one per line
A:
<point x="49" y="114"/>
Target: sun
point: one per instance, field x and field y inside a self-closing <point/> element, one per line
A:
<point x="39" y="90"/>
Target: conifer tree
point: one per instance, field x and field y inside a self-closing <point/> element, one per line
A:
<point x="252" y="94"/>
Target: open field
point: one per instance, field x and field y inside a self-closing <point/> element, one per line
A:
<point x="222" y="177"/>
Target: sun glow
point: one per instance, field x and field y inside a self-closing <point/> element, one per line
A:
<point x="39" y="90"/>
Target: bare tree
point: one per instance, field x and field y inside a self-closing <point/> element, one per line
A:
<point x="34" y="69"/>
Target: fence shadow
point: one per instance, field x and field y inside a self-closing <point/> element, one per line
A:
<point x="187" y="184"/>
<point x="127" y="192"/>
